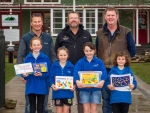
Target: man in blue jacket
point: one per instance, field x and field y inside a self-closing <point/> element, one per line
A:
<point x="73" y="37"/>
<point x="111" y="39"/>
<point x="24" y="49"/>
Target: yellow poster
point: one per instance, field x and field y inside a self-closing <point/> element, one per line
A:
<point x="90" y="78"/>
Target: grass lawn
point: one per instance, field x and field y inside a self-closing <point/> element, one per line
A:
<point x="9" y="70"/>
<point x="142" y="70"/>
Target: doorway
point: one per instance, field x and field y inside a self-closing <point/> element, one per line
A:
<point x="143" y="27"/>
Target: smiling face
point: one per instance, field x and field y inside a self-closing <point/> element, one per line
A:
<point x="73" y="20"/>
<point x="36" y="46"/>
<point x="89" y="53"/>
<point x="111" y="17"/>
<point x="62" y="56"/>
<point x="121" y="60"/>
<point x="36" y="24"/>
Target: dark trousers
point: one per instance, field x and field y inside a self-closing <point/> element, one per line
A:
<point x="79" y="106"/>
<point x="120" y="108"/>
<point x="40" y="102"/>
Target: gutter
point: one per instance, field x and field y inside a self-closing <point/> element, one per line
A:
<point x="2" y="6"/>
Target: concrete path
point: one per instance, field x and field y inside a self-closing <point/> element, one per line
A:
<point x="15" y="90"/>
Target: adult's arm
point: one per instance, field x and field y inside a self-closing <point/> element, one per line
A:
<point x="21" y="52"/>
<point x="96" y="44"/>
<point x="131" y="44"/>
<point x="57" y="45"/>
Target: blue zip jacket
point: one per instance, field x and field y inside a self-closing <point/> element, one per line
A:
<point x="57" y="70"/>
<point x="130" y="41"/>
<point x="37" y="84"/>
<point x="121" y="96"/>
<point x="96" y="64"/>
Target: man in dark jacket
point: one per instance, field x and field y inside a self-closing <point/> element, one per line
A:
<point x="47" y="48"/>
<point x="73" y="37"/>
<point x="111" y="39"/>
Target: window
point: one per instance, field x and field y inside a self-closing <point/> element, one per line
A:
<point x="100" y="20"/>
<point x="47" y="22"/>
<point x="42" y="1"/>
<point x="90" y="21"/>
<point x="57" y="21"/>
<point x="6" y="1"/>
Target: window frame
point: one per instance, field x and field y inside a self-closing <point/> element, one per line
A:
<point x="42" y="2"/>
<point x="12" y="1"/>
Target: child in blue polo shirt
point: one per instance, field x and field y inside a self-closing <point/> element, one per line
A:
<point x="89" y="97"/>
<point x="62" y="67"/>
<point x="121" y="99"/>
<point x="36" y="85"/>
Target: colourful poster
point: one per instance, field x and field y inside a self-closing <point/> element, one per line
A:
<point x="23" y="68"/>
<point x="64" y="82"/>
<point x="90" y="78"/>
<point x="121" y="82"/>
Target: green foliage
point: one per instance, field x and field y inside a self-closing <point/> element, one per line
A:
<point x="142" y="71"/>
<point x="9" y="72"/>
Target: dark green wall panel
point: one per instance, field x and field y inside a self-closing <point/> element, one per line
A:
<point x="25" y="22"/>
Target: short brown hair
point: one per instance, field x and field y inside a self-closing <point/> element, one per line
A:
<point x="74" y="13"/>
<point x="90" y="45"/>
<point x="36" y="15"/>
<point x="112" y="9"/>
<point x="62" y="48"/>
<point x="121" y="54"/>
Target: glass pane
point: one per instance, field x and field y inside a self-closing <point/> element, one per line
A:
<point x="90" y="13"/>
<point x="56" y="31"/>
<point x="5" y="0"/>
<point x="57" y="13"/>
<point x="57" y="20"/>
<point x="50" y="0"/>
<point x="90" y="25"/>
<point x="100" y="26"/>
<point x="92" y="31"/>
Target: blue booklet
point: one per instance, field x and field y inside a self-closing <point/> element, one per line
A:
<point x="40" y="67"/>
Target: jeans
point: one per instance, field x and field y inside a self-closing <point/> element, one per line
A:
<point x="106" y="108"/>
<point x="27" y="105"/>
<point x="90" y="97"/>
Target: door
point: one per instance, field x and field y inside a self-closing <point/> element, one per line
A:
<point x="143" y="37"/>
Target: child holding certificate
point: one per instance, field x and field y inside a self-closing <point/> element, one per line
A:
<point x="121" y="81"/>
<point x="90" y="96"/>
<point x="62" y="69"/>
<point x="36" y="85"/>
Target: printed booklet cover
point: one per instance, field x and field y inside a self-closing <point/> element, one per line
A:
<point x="121" y="82"/>
<point x="64" y="82"/>
<point x="23" y="68"/>
<point x="40" y="67"/>
<point x="90" y="78"/>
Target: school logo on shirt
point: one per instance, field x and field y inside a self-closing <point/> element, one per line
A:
<point x="65" y="38"/>
<point x="84" y="37"/>
<point x="95" y="65"/>
<point x="69" y="101"/>
<point x="69" y="71"/>
<point x="57" y="102"/>
<point x="45" y="43"/>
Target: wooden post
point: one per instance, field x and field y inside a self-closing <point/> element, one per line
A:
<point x="2" y="69"/>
